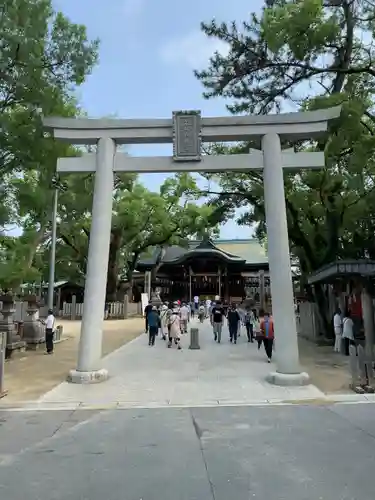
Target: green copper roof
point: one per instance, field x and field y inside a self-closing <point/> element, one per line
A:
<point x="249" y="251"/>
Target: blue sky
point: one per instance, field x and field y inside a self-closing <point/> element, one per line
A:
<point x="148" y="51"/>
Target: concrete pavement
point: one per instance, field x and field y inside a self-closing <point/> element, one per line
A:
<point x="281" y="453"/>
<point x="30" y="375"/>
<point x="143" y="376"/>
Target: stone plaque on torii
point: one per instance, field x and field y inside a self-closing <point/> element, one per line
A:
<point x="186" y="130"/>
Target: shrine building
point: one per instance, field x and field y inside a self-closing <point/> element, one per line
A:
<point x="232" y="269"/>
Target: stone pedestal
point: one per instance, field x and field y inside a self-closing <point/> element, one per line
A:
<point x="7" y="325"/>
<point x="33" y="329"/>
<point x="194" y="339"/>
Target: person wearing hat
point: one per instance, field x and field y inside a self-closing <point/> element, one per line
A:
<point x="164" y="310"/>
<point x="153" y="325"/>
<point x="174" y="327"/>
<point x="184" y="317"/>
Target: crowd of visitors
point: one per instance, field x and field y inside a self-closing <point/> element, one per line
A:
<point x="172" y="319"/>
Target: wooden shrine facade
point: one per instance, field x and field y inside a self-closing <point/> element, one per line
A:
<point x="206" y="269"/>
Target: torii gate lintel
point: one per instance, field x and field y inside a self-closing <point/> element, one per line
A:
<point x="186" y="130"/>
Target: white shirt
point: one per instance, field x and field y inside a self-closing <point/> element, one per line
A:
<point x="337" y="322"/>
<point x="208" y="302"/>
<point x="50" y="321"/>
<point x="184" y="313"/>
<point x="196" y="299"/>
<point x="348" y="328"/>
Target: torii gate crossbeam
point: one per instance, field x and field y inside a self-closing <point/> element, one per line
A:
<point x="187" y="130"/>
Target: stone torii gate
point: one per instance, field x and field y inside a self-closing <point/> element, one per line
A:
<point x="187" y="130"/>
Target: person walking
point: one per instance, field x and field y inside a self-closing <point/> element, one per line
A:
<point x="153" y="325"/>
<point x="174" y="327"/>
<point x="164" y="321"/>
<point x="208" y="305"/>
<point x="337" y="327"/>
<point x="233" y="318"/>
<point x="267" y="330"/>
<point x="147" y="311"/>
<point x="210" y="312"/>
<point x="184" y="317"/>
<point x="196" y="303"/>
<point x="348" y="332"/>
<point x="201" y="312"/>
<point x="192" y="309"/>
<point x="249" y="324"/>
<point x="241" y="321"/>
<point x="259" y="335"/>
<point x="256" y="327"/>
<point x="218" y="314"/>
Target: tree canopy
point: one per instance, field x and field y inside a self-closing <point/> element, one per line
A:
<point x="305" y="55"/>
<point x="41" y="65"/>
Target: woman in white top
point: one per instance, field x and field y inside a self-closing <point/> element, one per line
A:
<point x="337" y="326"/>
<point x="174" y="327"/>
<point x="347" y="332"/>
<point x="164" y="321"/>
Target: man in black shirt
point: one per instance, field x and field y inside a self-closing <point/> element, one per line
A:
<point x="217" y="315"/>
<point x="233" y="319"/>
<point x="147" y="311"/>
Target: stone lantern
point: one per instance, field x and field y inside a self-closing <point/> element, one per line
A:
<point x="7" y="325"/>
<point x="33" y="329"/>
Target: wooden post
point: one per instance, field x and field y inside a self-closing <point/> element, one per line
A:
<point x="126" y="306"/>
<point x="190" y="293"/>
<point x="74" y="308"/>
<point x="261" y="290"/>
<point x="226" y="285"/>
<point x="58" y="305"/>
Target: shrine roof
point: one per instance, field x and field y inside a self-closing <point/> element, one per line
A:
<point x="343" y="269"/>
<point x="245" y="251"/>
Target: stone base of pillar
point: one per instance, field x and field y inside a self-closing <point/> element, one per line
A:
<point x="288" y="379"/>
<point x="92" y="377"/>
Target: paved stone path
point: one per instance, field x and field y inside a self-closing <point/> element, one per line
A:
<point x="217" y="374"/>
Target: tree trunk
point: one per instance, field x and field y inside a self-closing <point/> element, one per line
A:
<point x="113" y="268"/>
<point x="323" y="310"/>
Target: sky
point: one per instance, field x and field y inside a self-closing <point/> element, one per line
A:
<point x="148" y="51"/>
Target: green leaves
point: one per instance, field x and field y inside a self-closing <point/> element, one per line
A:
<point x="309" y="55"/>
<point x="43" y="58"/>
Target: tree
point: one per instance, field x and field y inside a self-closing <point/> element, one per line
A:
<point x="41" y="63"/>
<point x="142" y="220"/>
<point x="306" y="54"/>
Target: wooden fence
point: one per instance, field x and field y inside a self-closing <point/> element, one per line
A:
<point x="115" y="310"/>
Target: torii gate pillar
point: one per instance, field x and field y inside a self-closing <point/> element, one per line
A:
<point x="186" y="131"/>
<point x="288" y="366"/>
